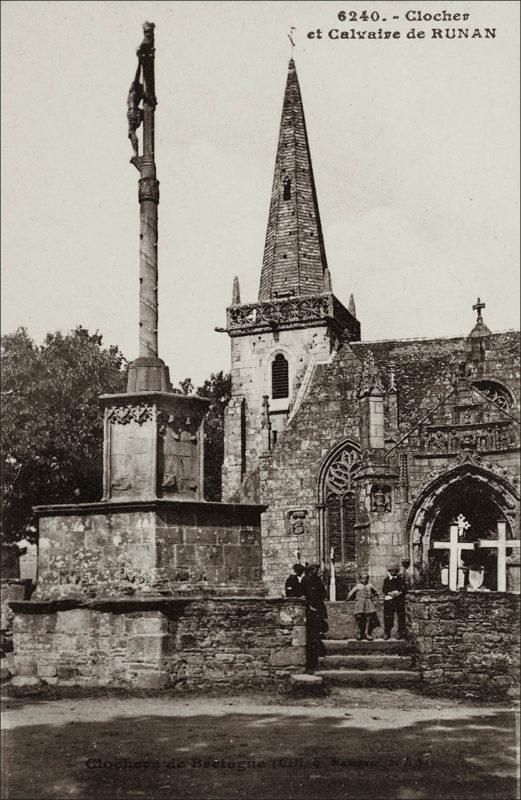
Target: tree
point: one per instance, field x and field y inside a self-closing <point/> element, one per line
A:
<point x="218" y="389"/>
<point x="52" y="425"/>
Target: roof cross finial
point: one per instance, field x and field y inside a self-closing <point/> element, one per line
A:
<point x="290" y="37"/>
<point x="477" y="307"/>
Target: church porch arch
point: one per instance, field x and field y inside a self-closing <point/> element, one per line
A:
<point x="487" y="506"/>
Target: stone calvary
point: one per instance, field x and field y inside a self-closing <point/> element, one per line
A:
<point x="348" y="454"/>
<point x="153" y="586"/>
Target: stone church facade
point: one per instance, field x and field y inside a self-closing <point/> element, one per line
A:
<point x="365" y="452"/>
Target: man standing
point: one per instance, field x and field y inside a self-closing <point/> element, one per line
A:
<point x="316" y="617"/>
<point x="394" y="601"/>
<point x="294" y="586"/>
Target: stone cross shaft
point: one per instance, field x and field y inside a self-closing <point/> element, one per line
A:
<point x="148" y="201"/>
<point x="501" y="543"/>
<point x="454" y="546"/>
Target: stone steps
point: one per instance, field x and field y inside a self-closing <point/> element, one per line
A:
<point x="334" y="646"/>
<point x="350" y="662"/>
<point x="368" y="677"/>
<point x="384" y="661"/>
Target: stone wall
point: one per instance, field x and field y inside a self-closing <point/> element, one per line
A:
<point x="190" y="644"/>
<point x="330" y="412"/>
<point x="251" y="358"/>
<point x="465" y="641"/>
<point x="116" y="550"/>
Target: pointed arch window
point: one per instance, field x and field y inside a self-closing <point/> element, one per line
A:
<point x="340" y="502"/>
<point x="279" y="377"/>
<point x="286" y="188"/>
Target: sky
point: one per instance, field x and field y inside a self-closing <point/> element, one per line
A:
<point x="414" y="145"/>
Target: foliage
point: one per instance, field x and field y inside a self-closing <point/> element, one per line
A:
<point x="218" y="388"/>
<point x="52" y="426"/>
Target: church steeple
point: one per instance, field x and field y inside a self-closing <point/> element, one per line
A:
<point x="294" y="256"/>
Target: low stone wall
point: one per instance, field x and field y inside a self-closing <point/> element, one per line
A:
<point x="465" y="641"/>
<point x="196" y="643"/>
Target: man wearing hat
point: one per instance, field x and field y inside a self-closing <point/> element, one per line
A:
<point x="394" y="601"/>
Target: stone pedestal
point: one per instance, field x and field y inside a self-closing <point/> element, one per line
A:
<point x="153" y="446"/>
<point x="148" y="548"/>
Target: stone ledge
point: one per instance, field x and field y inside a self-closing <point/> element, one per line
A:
<point x="138" y="604"/>
<point x="445" y="595"/>
<point x="240" y="510"/>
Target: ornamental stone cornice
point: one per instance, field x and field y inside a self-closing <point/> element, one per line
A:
<point x="293" y="312"/>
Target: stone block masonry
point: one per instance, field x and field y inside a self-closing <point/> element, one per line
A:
<point x="196" y="644"/>
<point x="465" y="641"/>
<point x="102" y="550"/>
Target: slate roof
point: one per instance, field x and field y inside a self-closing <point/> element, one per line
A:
<point x="422" y="365"/>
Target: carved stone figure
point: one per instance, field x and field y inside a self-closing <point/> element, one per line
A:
<point x="380" y="499"/>
<point x="297" y="522"/>
<point x="134" y="112"/>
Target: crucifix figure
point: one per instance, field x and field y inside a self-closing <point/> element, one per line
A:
<point x="134" y="112"/>
<point x="477" y="307"/>
<point x="501" y="544"/>
<point x="454" y="546"/>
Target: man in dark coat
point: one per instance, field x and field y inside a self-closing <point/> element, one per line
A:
<point x="316" y="616"/>
<point x="294" y="586"/>
<point x="394" y="601"/>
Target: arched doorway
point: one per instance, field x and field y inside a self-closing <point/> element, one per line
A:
<point x="463" y="526"/>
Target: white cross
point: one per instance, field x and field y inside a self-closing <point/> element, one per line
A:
<point x="462" y="524"/>
<point x="502" y="543"/>
<point x="455" y="547"/>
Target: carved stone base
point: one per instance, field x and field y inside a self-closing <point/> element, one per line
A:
<point x="153" y="446"/>
<point x="138" y="549"/>
<point x="148" y="375"/>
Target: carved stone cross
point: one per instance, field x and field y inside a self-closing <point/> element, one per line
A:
<point x="477" y="307"/>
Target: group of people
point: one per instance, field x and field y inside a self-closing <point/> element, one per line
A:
<point x="306" y="582"/>
<point x="396" y="584"/>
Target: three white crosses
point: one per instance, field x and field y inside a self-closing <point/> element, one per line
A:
<point x="455" y="546"/>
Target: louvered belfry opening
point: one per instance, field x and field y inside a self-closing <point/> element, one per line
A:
<point x="279" y="377"/>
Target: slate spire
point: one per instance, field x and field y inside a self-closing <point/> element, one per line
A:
<point x="294" y="256"/>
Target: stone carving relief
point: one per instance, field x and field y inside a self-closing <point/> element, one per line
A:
<point x="298" y="523"/>
<point x="282" y="311"/>
<point x="122" y="415"/>
<point x="294" y="310"/>
<point x="485" y="438"/>
<point x="371" y="379"/>
<point x="381" y="499"/>
<point x="179" y="458"/>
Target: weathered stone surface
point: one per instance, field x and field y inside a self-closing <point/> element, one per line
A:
<point x="455" y="655"/>
<point x="102" y="550"/>
<point x="196" y="644"/>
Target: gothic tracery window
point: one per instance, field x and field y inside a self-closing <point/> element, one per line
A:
<point x="495" y="392"/>
<point x="340" y="502"/>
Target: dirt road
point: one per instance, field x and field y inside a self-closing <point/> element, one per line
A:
<point x="350" y="745"/>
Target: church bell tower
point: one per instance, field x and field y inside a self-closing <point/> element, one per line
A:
<point x="296" y="322"/>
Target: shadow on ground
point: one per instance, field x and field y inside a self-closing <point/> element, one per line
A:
<point x="263" y="753"/>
